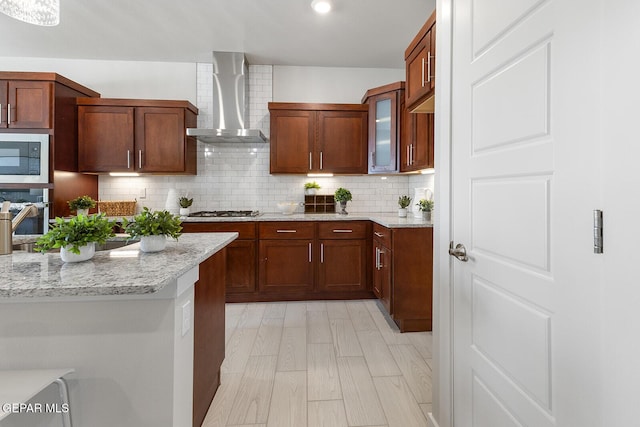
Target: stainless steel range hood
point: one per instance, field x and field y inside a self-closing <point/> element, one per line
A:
<point x="230" y="102"/>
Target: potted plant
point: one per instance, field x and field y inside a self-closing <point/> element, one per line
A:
<point x="403" y="202"/>
<point x="185" y="204"/>
<point x="76" y="237"/>
<point x="425" y="206"/>
<point x="82" y="204"/>
<point x="153" y="228"/>
<point x="342" y="196"/>
<point x="310" y="188"/>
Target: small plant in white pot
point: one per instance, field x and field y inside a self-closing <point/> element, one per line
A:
<point x="81" y="205"/>
<point x="342" y="196"/>
<point x="403" y="202"/>
<point x="185" y="204"/>
<point x="153" y="228"/>
<point x="425" y="206"/>
<point x="311" y="188"/>
<point x="76" y="237"/>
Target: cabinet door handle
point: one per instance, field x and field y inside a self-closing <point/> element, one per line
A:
<point x="140" y="158"/>
<point x="377" y="258"/>
<point x="343" y="231"/>
<point x="408" y="160"/>
<point x="310" y="161"/>
<point x="0" y="113"/>
<point x="411" y="154"/>
<point x="321" y="160"/>
<point x="286" y="231"/>
<point x="128" y="159"/>
<point x="428" y="67"/>
<point x="378" y="234"/>
<point x="8" y="114"/>
<point x="321" y="253"/>
<point x="309" y="252"/>
<point x="380" y="259"/>
<point x="423" y="72"/>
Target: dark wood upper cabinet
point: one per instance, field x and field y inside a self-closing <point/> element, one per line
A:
<point x="329" y="138"/>
<point x="417" y="142"/>
<point x="420" y="59"/>
<point x="26" y="104"/>
<point x="128" y="135"/>
<point x="385" y="126"/>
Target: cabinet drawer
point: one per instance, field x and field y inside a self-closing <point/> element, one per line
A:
<point x="342" y="230"/>
<point x="382" y="234"/>
<point x="246" y="230"/>
<point x="286" y="230"/>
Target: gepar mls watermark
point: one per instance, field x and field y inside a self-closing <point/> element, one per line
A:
<point x="35" y="408"/>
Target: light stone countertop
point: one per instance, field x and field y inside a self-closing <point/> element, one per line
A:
<point x="390" y="220"/>
<point x="122" y="271"/>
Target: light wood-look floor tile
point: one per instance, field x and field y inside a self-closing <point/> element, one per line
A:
<point x="251" y="405"/>
<point x="293" y="350"/>
<point x="415" y="370"/>
<point x="322" y="373"/>
<point x="318" y="330"/>
<point x="345" y="340"/>
<point x="295" y="315"/>
<point x="327" y="413"/>
<point x="289" y="400"/>
<point x="286" y="366"/>
<point x="376" y="352"/>
<point x="400" y="408"/>
<point x="267" y="341"/>
<point x="426" y="408"/>
<point x="361" y="401"/>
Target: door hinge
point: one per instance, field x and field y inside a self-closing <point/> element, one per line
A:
<point x="597" y="231"/>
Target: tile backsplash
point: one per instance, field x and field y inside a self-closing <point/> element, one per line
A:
<point x="236" y="176"/>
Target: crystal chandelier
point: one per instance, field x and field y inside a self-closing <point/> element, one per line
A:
<point x="38" y="12"/>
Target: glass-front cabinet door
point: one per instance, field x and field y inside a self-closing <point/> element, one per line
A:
<point x="383" y="133"/>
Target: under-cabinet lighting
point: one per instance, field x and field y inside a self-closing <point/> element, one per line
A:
<point x="428" y="171"/>
<point x="319" y="175"/>
<point x="124" y="174"/>
<point x="321" y="6"/>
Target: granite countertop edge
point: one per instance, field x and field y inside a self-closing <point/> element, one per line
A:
<point x="122" y="271"/>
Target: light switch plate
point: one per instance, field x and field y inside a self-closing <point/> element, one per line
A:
<point x="142" y="193"/>
<point x="186" y="317"/>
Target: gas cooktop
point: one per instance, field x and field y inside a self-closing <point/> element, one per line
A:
<point x="225" y="213"/>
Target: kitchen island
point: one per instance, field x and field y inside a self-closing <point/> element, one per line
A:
<point x="123" y="320"/>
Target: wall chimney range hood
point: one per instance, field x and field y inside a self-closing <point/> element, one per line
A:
<point x="230" y="102"/>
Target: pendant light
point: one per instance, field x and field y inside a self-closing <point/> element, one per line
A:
<point x="37" y="12"/>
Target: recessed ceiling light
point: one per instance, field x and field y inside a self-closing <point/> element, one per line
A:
<point x="321" y="6"/>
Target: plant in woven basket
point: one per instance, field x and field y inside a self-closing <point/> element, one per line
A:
<point x="82" y="202"/>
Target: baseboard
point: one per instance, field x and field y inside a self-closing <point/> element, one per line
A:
<point x="431" y="422"/>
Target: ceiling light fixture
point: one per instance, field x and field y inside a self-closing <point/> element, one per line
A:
<point x="321" y="6"/>
<point x="37" y="12"/>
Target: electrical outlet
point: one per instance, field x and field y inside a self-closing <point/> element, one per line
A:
<point x="186" y="317"/>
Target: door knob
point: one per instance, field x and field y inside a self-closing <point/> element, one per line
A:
<point x="459" y="251"/>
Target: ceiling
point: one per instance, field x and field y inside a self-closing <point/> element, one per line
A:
<point x="357" y="33"/>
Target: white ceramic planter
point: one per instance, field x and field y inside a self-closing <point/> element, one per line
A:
<point x="86" y="252"/>
<point x="310" y="191"/>
<point x="402" y="212"/>
<point x="83" y="212"/>
<point x="185" y="211"/>
<point x="426" y="215"/>
<point x="153" y="243"/>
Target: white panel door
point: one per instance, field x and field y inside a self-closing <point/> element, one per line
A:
<point x="525" y="141"/>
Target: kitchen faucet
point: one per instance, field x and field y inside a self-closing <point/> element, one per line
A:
<point x="8" y="226"/>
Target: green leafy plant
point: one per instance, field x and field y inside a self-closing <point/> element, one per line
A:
<point x="425" y="205"/>
<point x="149" y="223"/>
<point x="76" y="232"/>
<point x="82" y="202"/>
<point x="185" y="202"/>
<point x="313" y="184"/>
<point x="342" y="195"/>
<point x="404" y="201"/>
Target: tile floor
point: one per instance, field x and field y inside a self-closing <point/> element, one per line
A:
<point x="321" y="363"/>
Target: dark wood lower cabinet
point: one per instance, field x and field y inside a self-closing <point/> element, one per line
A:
<point x="208" y="332"/>
<point x="286" y="265"/>
<point x="343" y="265"/>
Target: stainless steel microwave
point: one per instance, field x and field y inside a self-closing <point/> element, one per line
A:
<point x="24" y="158"/>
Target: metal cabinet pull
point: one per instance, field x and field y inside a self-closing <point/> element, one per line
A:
<point x="343" y="231"/>
<point x="140" y="158"/>
<point x="0" y="113"/>
<point x="380" y="259"/>
<point x="408" y="157"/>
<point x="310" y="161"/>
<point x="321" y="253"/>
<point x="128" y="159"/>
<point x="8" y="114"/>
<point x="378" y="234"/>
<point x="428" y="67"/>
<point x="377" y="258"/>
<point x="309" y="252"/>
<point x="422" y="72"/>
<point x="286" y="231"/>
<point x="321" y="160"/>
